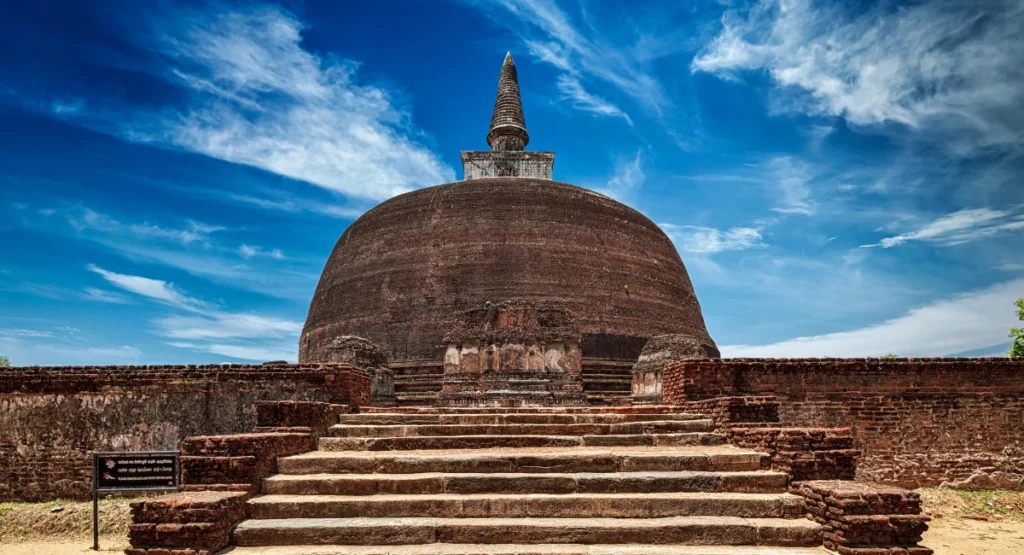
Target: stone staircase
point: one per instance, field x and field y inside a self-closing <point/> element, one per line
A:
<point x="612" y="481"/>
<point x="605" y="382"/>
<point x="417" y="384"/>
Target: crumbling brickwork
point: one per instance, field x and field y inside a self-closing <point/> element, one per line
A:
<point x="237" y="462"/>
<point x="745" y="411"/>
<point x="51" y="419"/>
<point x="196" y="523"/>
<point x="924" y="421"/>
<point x="803" y="453"/>
<point x="865" y="519"/>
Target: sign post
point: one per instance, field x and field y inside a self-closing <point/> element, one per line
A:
<point x="126" y="471"/>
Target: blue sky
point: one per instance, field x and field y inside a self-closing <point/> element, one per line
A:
<point x="840" y="179"/>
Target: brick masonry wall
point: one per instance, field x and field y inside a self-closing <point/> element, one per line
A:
<point x="51" y="419"/>
<point x="918" y="421"/>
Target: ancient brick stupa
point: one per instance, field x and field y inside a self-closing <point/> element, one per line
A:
<point x="512" y="280"/>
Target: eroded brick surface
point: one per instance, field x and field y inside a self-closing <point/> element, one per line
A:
<point x="113" y="408"/>
<point x="191" y="522"/>
<point x="865" y="519"/>
<point x="918" y="421"/>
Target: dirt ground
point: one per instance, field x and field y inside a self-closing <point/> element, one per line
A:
<point x="964" y="523"/>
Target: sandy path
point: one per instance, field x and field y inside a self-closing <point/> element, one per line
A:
<point x="954" y="536"/>
<point x="81" y="547"/>
<point x="947" y="536"/>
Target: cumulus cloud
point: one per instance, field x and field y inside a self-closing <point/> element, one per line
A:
<point x="952" y="68"/>
<point x="959" y="227"/>
<point x="967" y="322"/>
<point x="709" y="240"/>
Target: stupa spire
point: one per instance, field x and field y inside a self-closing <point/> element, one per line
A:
<point x="508" y="126"/>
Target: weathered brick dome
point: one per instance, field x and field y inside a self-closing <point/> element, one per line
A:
<point x="402" y="273"/>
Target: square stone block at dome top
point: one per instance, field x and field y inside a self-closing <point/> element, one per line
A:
<point x="483" y="163"/>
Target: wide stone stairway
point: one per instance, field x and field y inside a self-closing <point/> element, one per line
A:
<point x="616" y="481"/>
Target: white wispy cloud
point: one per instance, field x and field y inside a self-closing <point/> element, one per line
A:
<point x="786" y="179"/>
<point x="195" y="249"/>
<point x="959" y="227"/>
<point x="152" y="288"/>
<point x="709" y="240"/>
<point x="25" y="333"/>
<point x="193" y="232"/>
<point x="573" y="91"/>
<point x="247" y="251"/>
<point x="949" y="67"/>
<point x="792" y="177"/>
<point x="967" y="322"/>
<point x="626" y="179"/>
<point x="227" y="325"/>
<point x="551" y="36"/>
<point x="60" y="346"/>
<point x="103" y="296"/>
<point x="201" y="326"/>
<point x="256" y="96"/>
<point x="126" y="352"/>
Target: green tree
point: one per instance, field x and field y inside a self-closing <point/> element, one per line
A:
<point x="4" y="362"/>
<point x="1017" y="347"/>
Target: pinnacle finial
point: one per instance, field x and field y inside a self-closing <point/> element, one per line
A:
<point x="508" y="126"/>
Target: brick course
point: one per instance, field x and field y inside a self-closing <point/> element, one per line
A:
<point x="803" y="453"/>
<point x="52" y="418"/>
<point x="918" y="421"/>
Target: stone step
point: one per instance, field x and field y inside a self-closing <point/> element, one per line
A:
<point x="592" y="378"/>
<point x="416" y="400"/>
<point x="432" y="483"/>
<point x="695" y="530"/>
<point x="381" y="419"/>
<point x="540" y="549"/>
<point x="603" y="505"/>
<point x="608" y="390"/>
<point x="487" y="442"/>
<point x="578" y="429"/>
<point x="609" y="383"/>
<point x="577" y="459"/>
<point x="646" y="409"/>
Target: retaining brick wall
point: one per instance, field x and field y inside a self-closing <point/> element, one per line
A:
<point x="923" y="421"/>
<point x="52" y="418"/>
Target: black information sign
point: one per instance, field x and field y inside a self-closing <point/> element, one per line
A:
<point x="128" y="471"/>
